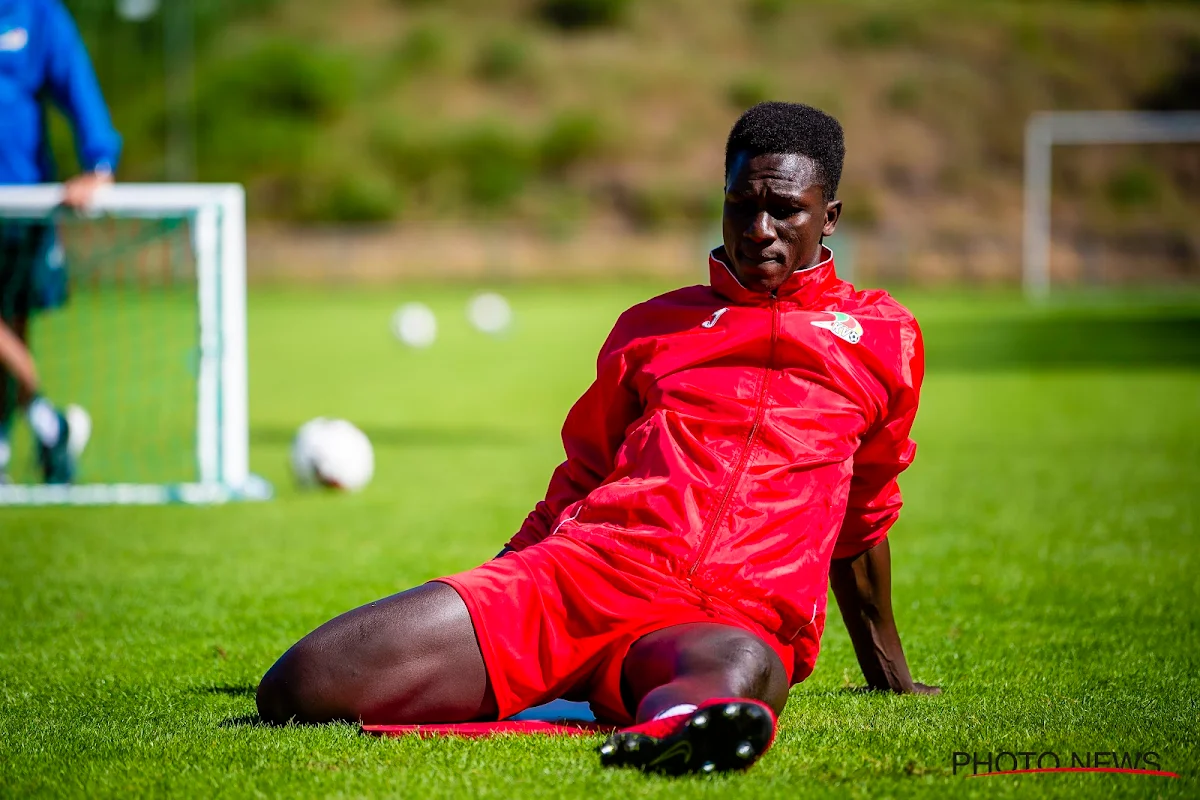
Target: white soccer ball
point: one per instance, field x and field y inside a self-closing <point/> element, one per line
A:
<point x="415" y="325"/>
<point x="490" y="313"/>
<point x="332" y="453"/>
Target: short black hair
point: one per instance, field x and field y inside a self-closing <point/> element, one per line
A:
<point x="791" y="129"/>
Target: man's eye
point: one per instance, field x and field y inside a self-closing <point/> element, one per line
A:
<point x="782" y="212"/>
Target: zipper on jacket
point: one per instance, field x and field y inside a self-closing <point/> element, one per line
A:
<point x="743" y="459"/>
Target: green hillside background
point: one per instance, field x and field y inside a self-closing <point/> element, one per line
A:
<point x="556" y="118"/>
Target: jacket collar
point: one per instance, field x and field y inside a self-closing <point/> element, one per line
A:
<point x="803" y="287"/>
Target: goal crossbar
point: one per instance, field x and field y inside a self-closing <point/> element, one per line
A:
<point x="1044" y="130"/>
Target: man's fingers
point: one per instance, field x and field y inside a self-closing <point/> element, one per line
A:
<point x="79" y="191"/>
<point x="77" y="195"/>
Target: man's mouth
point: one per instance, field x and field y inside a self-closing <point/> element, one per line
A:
<point x="759" y="259"/>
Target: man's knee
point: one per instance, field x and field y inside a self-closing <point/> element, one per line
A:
<point x="292" y="688"/>
<point x="753" y="669"/>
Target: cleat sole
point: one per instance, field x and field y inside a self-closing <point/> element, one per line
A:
<point x="731" y="740"/>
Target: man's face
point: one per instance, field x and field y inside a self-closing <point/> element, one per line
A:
<point x="775" y="215"/>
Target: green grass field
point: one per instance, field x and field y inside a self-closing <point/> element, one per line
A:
<point x="1046" y="565"/>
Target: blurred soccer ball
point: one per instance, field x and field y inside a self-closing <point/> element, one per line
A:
<point x="415" y="325"/>
<point x="332" y="453"/>
<point x="490" y="313"/>
<point x="136" y="10"/>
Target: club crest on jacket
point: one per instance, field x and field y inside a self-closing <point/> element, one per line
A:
<point x="842" y="325"/>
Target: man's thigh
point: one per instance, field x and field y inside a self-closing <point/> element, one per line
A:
<point x="409" y="658"/>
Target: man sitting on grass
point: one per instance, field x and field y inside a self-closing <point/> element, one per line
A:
<point x="738" y="450"/>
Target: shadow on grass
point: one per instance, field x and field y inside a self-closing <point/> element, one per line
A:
<point x="403" y="437"/>
<point x="1064" y="339"/>
<point x="246" y="690"/>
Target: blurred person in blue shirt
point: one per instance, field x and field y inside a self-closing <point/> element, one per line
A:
<point x="42" y="57"/>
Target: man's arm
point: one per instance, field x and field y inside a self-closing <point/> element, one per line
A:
<point x="73" y="86"/>
<point x="862" y="585"/>
<point x="861" y="569"/>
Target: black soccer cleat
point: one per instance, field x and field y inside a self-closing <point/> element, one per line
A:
<point x="719" y="736"/>
<point x="59" y="461"/>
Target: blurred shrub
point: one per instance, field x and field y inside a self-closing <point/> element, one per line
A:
<point x="230" y="147"/>
<point x="860" y="207"/>
<point x="502" y="58"/>
<point x="749" y="90"/>
<point x="561" y="213"/>
<point x="261" y="112"/>
<point x="1179" y="90"/>
<point x="282" y="78"/>
<point x="904" y="94"/>
<point x="880" y="30"/>
<point x="485" y="164"/>
<point x="660" y="206"/>
<point x="412" y="158"/>
<point x="570" y="138"/>
<point x="495" y="164"/>
<point x="423" y="48"/>
<point x="359" y="196"/>
<point x="767" y="12"/>
<point x="572" y="15"/>
<point x="1134" y="186"/>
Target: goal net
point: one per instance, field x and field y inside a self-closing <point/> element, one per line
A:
<point x="135" y="312"/>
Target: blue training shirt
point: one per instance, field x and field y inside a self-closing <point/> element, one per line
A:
<point x="42" y="57"/>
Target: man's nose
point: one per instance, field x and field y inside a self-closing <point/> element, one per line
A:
<point x="761" y="228"/>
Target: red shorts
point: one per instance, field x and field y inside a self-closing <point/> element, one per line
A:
<point x="557" y="619"/>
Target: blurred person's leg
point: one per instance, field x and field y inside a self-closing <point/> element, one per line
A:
<point x="14" y="300"/>
<point x="60" y="437"/>
<point x="11" y="392"/>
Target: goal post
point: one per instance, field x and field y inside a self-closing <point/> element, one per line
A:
<point x="1044" y="130"/>
<point x="151" y="339"/>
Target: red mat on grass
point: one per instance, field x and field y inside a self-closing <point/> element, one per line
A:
<point x="478" y="730"/>
<point x="557" y="718"/>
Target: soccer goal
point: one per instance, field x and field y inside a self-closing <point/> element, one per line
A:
<point x="146" y="330"/>
<point x="1046" y="130"/>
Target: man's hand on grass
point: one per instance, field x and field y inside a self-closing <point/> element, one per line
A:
<point x="921" y="688"/>
<point x="915" y="688"/>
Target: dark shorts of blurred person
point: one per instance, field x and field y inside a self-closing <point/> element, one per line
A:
<point x="33" y="278"/>
<point x="33" y="275"/>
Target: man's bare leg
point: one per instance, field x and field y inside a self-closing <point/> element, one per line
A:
<point x="409" y="658"/>
<point x="689" y="664"/>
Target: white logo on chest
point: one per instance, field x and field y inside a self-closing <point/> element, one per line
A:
<point x="712" y="321"/>
<point x="842" y="326"/>
<point x="13" y="40"/>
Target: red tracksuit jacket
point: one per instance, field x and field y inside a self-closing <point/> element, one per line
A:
<point x="739" y="441"/>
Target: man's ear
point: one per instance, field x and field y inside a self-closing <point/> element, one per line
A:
<point x="833" y="212"/>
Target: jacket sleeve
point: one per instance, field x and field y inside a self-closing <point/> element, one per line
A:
<point x="593" y="432"/>
<point x="73" y="86"/>
<point x="884" y="453"/>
